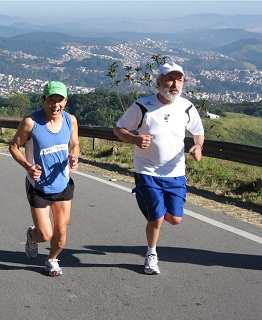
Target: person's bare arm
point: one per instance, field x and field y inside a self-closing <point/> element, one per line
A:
<point x="142" y="141"/>
<point x="196" y="150"/>
<point x="22" y="134"/>
<point x="74" y="148"/>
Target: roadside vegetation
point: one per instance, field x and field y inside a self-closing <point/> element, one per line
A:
<point x="235" y="128"/>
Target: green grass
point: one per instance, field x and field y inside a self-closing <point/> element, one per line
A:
<point x="113" y="153"/>
<point x="226" y="178"/>
<point x="236" y="128"/>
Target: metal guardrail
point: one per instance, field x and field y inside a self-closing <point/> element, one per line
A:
<point x="214" y="149"/>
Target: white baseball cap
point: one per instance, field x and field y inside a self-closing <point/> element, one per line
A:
<point x="169" y="67"/>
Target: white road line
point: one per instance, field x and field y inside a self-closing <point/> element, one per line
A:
<point x="104" y="181"/>
<point x="195" y="215"/>
<point x="5" y="154"/>
<point x="223" y="226"/>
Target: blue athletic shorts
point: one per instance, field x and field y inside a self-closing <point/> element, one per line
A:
<point x="157" y="195"/>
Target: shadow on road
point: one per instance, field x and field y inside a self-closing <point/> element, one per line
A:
<point x="169" y="254"/>
<point x="192" y="256"/>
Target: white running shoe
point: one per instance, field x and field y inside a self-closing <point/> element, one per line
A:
<point x="52" y="267"/>
<point x="31" y="247"/>
<point x="151" y="266"/>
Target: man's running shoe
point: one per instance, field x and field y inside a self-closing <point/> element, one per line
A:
<point x="151" y="266"/>
<point x="31" y="247"/>
<point x="52" y="267"/>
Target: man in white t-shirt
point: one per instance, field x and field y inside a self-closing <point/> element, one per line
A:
<point x="159" y="162"/>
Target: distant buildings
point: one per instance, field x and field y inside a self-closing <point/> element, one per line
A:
<point x="135" y="53"/>
<point x="212" y="115"/>
<point x="9" y="84"/>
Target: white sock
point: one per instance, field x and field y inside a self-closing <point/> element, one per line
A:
<point x="151" y="250"/>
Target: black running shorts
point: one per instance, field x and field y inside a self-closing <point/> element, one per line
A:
<point x="38" y="199"/>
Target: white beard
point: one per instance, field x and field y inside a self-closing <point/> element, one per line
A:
<point x="167" y="95"/>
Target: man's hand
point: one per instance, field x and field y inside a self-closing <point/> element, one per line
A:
<point x="35" y="171"/>
<point x="73" y="163"/>
<point x="196" y="152"/>
<point x="143" y="141"/>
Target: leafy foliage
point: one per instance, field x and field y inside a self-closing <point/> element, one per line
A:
<point x="139" y="79"/>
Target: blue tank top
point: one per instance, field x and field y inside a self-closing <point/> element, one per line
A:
<point x="50" y="151"/>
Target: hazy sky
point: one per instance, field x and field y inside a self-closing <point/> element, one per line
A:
<point x="66" y="11"/>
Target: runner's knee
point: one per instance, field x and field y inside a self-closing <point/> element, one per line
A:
<point x="172" y="219"/>
<point x="44" y="235"/>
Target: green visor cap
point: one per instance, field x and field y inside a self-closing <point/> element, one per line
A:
<point x="55" y="87"/>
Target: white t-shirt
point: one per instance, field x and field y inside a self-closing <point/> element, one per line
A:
<point x="167" y="124"/>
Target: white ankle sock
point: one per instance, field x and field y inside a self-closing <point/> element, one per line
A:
<point x="151" y="251"/>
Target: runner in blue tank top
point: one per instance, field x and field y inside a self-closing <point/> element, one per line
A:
<point x="50" y="137"/>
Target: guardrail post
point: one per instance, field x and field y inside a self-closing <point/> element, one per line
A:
<point x="95" y="143"/>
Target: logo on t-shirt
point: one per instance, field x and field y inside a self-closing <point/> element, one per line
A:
<point x="166" y="117"/>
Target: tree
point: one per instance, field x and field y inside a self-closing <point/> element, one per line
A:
<point x="18" y="104"/>
<point x="140" y="79"/>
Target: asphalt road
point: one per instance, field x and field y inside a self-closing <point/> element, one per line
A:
<point x="210" y="264"/>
